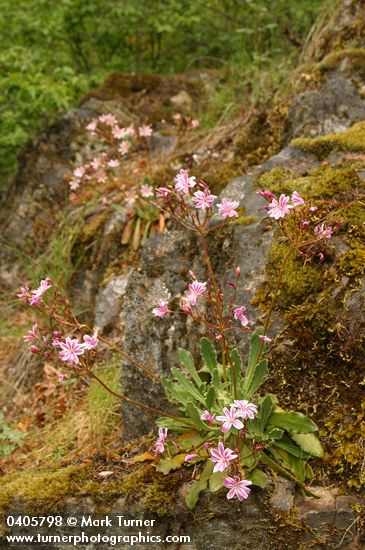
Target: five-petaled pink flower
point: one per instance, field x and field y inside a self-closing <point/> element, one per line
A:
<point x="203" y="199"/>
<point x="297" y="199"/>
<point x="71" y="348"/>
<point x="239" y="315"/>
<point x="196" y="290"/>
<point x="323" y="231"/>
<point x="162" y="310"/>
<point x="245" y="409"/>
<point x="124" y="147"/>
<point x="184" y="182"/>
<point x="160" y="443"/>
<point x="231" y="417"/>
<point x="208" y="417"/>
<point x="145" y="131"/>
<point x="238" y="487"/>
<point x="31" y="334"/>
<point x="228" y="208"/>
<point x="113" y="163"/>
<point x="109" y="119"/>
<point x="90" y="342"/>
<point x="279" y="209"/>
<point x="44" y="285"/>
<point x="221" y="457"/>
<point x="146" y="191"/>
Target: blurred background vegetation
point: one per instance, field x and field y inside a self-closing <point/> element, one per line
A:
<point x="51" y="51"/>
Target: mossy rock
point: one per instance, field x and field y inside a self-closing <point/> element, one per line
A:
<point x="352" y="262"/>
<point x="352" y="140"/>
<point x="325" y="181"/>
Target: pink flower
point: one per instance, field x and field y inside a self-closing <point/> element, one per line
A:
<point x="208" y="417"/>
<point x="160" y="443"/>
<point x="101" y="176"/>
<point x="91" y="341"/>
<point x="92" y="126"/>
<point x="124" y="147"/>
<point x="279" y="209"/>
<point x="145" y="131"/>
<point x="56" y="343"/>
<point x="130" y="197"/>
<point x="34" y="349"/>
<point x="297" y="199"/>
<point x="267" y="195"/>
<point x="238" y="488"/>
<point x="70" y="350"/>
<point x="113" y="163"/>
<point x="44" y="285"/>
<point x="193" y="124"/>
<point x="162" y="310"/>
<point x="162" y="192"/>
<point x="323" y="231"/>
<point x="35" y="301"/>
<point x="203" y="199"/>
<point x="62" y="378"/>
<point x="245" y="409"/>
<point x="74" y="184"/>
<point x="221" y="457"/>
<point x="79" y="172"/>
<point x="119" y="133"/>
<point x="229" y="419"/>
<point x="239" y="315"/>
<point x="228" y="208"/>
<point x="265" y="338"/>
<point x="183" y="182"/>
<point x="24" y="293"/>
<point x="305" y="224"/>
<point x="191" y="457"/>
<point x="146" y="191"/>
<point x="196" y="290"/>
<point x="109" y="120"/>
<point x="31" y="334"/>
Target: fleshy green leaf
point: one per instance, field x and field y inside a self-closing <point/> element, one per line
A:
<point x="216" y="481"/>
<point x="209" y="354"/>
<point x="309" y="443"/>
<point x="255" y="347"/>
<point x="194" y="413"/>
<point x="210" y="397"/>
<point x="185" y="383"/>
<point x="199" y="486"/>
<point x="171" y="463"/>
<point x="266" y="409"/>
<point x="292" y="422"/>
<point x="172" y="424"/>
<point x="187" y="361"/>
<point x="258" y="478"/>
<point x="260" y="374"/>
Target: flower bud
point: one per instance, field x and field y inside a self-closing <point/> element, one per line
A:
<point x="34" y="349"/>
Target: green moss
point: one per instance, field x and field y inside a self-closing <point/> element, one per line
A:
<point x="299" y="280"/>
<point x="324" y="181"/>
<point x="352" y="263"/>
<point x="352" y="139"/>
<point x="41" y="489"/>
<point x="354" y="56"/>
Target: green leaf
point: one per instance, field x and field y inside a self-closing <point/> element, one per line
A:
<point x="194" y="413"/>
<point x="187" y="361"/>
<point x="185" y="383"/>
<point x="266" y="409"/>
<point x="172" y="424"/>
<point x="258" y="478"/>
<point x="275" y="433"/>
<point x="309" y="443"/>
<point x="216" y="481"/>
<point x="171" y="463"/>
<point x="237" y="361"/>
<point x="209" y="354"/>
<point x="199" y="486"/>
<point x="256" y="347"/>
<point x="210" y="398"/>
<point x="292" y="422"/>
<point x="259" y="377"/>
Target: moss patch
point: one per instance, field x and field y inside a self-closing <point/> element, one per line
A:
<point x="324" y="181"/>
<point x="352" y="139"/>
<point x="352" y="263"/>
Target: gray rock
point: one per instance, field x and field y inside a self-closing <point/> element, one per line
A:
<point x="107" y="305"/>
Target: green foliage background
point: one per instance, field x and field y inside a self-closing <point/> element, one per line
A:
<point x="53" y="50"/>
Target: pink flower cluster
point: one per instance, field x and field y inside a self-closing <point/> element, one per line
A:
<point x="71" y="348"/>
<point x="280" y="207"/>
<point x="34" y="297"/>
<point x="239" y="409"/>
<point x="222" y="457"/>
